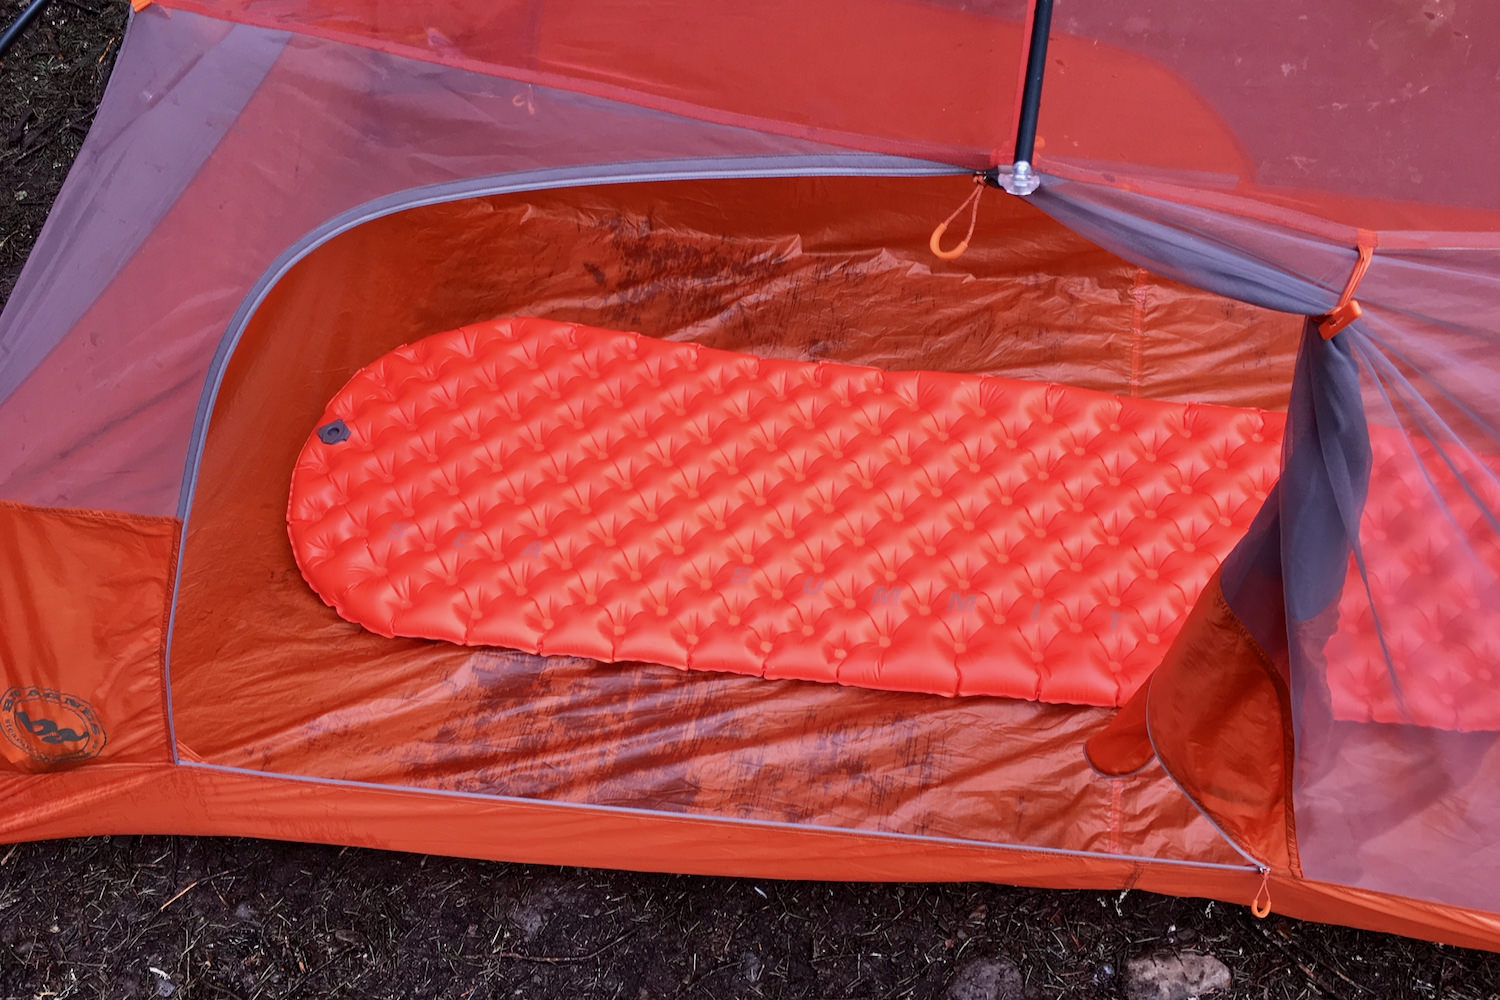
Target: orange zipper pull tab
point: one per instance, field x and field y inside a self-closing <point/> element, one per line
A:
<point x="1261" y="905"/>
<point x="972" y="203"/>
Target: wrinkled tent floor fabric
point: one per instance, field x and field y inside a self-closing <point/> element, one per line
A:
<point x="554" y="488"/>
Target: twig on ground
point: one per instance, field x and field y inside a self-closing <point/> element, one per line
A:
<point x="180" y="893"/>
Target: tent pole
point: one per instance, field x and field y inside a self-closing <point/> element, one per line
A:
<point x="1021" y="179"/>
<point x="19" y="24"/>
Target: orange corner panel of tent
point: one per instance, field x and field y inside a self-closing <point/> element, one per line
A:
<point x="84" y="607"/>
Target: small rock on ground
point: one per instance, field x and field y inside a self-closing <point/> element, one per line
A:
<point x="987" y="979"/>
<point x="1174" y="976"/>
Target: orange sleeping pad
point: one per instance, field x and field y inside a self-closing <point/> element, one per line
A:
<point x="574" y="491"/>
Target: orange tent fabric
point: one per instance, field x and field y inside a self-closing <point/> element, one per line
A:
<point x="297" y="189"/>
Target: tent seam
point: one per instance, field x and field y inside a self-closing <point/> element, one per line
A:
<point x="1260" y="866"/>
<point x="727" y="821"/>
<point x="169" y="731"/>
<point x="1288" y="742"/>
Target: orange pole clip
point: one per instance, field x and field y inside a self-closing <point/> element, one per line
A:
<point x="972" y="203"/>
<point x="1261" y="905"/>
<point x="1348" y="309"/>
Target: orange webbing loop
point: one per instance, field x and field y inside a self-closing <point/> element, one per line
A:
<point x="1348" y="310"/>
<point x="1261" y="905"/>
<point x="972" y="203"/>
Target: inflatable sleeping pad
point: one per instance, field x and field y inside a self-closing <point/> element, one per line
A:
<point x="575" y="491"/>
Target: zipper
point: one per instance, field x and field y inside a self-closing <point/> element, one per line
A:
<point x="1260" y="906"/>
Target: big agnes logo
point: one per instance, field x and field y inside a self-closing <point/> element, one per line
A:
<point x="50" y="726"/>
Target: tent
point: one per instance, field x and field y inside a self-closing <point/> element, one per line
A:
<point x="1276" y="226"/>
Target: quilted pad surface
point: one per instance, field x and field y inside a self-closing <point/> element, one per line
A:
<point x="568" y="490"/>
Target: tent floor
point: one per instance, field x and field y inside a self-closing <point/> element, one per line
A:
<point x="788" y="269"/>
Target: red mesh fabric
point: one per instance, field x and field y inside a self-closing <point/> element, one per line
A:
<point x="1357" y="112"/>
<point x="569" y="490"/>
<point x="1329" y="106"/>
<point x="903" y="77"/>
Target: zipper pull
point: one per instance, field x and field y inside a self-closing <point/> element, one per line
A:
<point x="1261" y="905"/>
<point x="972" y="203"/>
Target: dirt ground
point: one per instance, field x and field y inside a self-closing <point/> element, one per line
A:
<point x="198" y="917"/>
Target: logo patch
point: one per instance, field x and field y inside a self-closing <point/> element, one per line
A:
<point x="50" y="726"/>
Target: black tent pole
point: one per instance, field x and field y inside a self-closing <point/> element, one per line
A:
<point x="19" y="24"/>
<point x="1021" y="179"/>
